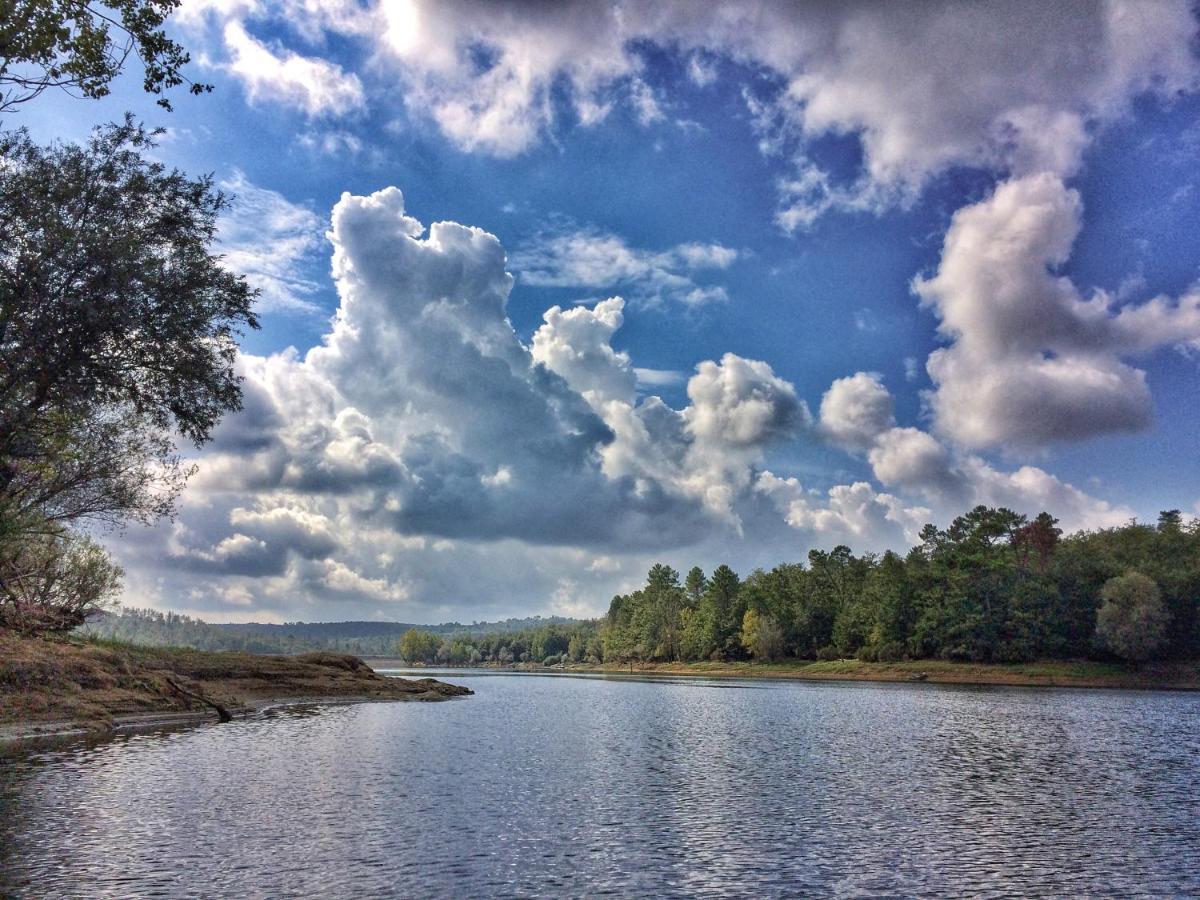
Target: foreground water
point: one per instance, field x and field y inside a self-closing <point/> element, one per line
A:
<point x="559" y="785"/>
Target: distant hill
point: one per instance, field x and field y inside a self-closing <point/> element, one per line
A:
<point x="324" y="629"/>
<point x="387" y="629"/>
<point x="156" y="629"/>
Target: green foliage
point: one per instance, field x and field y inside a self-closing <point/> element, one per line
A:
<point x="1132" y="620"/>
<point x="418" y="646"/>
<point x="81" y="47"/>
<point x="53" y="580"/>
<point x="118" y="327"/>
<point x="761" y="635"/>
<point x="118" y="332"/>
<point x="993" y="586"/>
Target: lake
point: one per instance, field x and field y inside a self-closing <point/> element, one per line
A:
<point x="559" y="785"/>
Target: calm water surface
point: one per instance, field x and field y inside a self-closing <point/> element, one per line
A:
<point x="543" y="786"/>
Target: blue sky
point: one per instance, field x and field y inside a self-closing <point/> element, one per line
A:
<point x="765" y="186"/>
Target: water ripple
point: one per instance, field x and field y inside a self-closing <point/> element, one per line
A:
<point x="552" y="786"/>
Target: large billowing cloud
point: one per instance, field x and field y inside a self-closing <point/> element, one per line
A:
<point x="423" y="462"/>
<point x="1031" y="360"/>
<point x="422" y="425"/>
<point x="433" y="415"/>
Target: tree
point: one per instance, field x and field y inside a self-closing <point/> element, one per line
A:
<point x="54" y="582"/>
<point x="618" y="637"/>
<point x="887" y="583"/>
<point x="696" y="638"/>
<point x="416" y="646"/>
<point x="576" y="647"/>
<point x="1036" y="543"/>
<point x="118" y="327"/>
<point x="967" y="578"/>
<point x="722" y="611"/>
<point x="80" y="47"/>
<point x="1170" y="521"/>
<point x="1132" y="621"/>
<point x="665" y="603"/>
<point x="761" y="635"/>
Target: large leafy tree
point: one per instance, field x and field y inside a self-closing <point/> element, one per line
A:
<point x="118" y="337"/>
<point x="118" y="326"/>
<point x="80" y="47"/>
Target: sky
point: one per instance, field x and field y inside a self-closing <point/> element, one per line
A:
<point x="552" y="292"/>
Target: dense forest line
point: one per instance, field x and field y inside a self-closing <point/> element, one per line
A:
<point x="158" y="629"/>
<point x="992" y="587"/>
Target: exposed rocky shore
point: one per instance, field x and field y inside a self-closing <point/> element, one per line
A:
<point x="62" y="686"/>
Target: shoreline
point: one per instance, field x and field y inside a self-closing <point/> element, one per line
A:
<point x="1175" y="676"/>
<point x="64" y="688"/>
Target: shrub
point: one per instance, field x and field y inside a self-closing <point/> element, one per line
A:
<point x="828" y="654"/>
<point x="53" y="581"/>
<point x="892" y="651"/>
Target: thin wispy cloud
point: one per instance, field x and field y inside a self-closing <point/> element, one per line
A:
<point x="595" y="261"/>
<point x="274" y="243"/>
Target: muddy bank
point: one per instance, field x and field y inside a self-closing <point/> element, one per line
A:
<point x="59" y="686"/>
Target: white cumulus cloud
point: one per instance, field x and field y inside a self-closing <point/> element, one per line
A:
<point x="1031" y="360"/>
